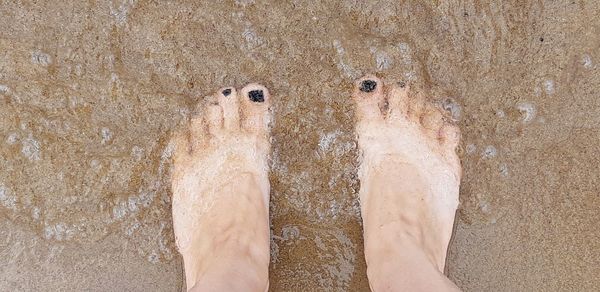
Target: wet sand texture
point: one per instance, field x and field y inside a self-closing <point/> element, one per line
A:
<point x="91" y="90"/>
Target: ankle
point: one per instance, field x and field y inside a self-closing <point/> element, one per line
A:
<point x="393" y="242"/>
<point x="245" y="262"/>
<point x="400" y="261"/>
<point x="239" y="274"/>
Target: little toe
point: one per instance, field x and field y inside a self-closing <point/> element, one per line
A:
<point x="432" y="120"/>
<point x="196" y="134"/>
<point x="416" y="106"/>
<point x="255" y="100"/>
<point x="398" y="100"/>
<point x="449" y="136"/>
<point x="181" y="146"/>
<point x="368" y="95"/>
<point x="229" y="102"/>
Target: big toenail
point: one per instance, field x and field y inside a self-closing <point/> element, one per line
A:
<point x="256" y="96"/>
<point x="368" y="86"/>
<point x="227" y="92"/>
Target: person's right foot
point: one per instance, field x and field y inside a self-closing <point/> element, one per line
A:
<point x="409" y="175"/>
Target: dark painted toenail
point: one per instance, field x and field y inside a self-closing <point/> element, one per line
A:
<point x="227" y="92"/>
<point x="368" y="86"/>
<point x="256" y="96"/>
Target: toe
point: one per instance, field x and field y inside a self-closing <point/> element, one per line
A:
<point x="449" y="136"/>
<point x="368" y="95"/>
<point x="398" y="100"/>
<point x="196" y="133"/>
<point x="214" y="119"/>
<point x="416" y="105"/>
<point x="255" y="100"/>
<point x="432" y="120"/>
<point x="229" y="102"/>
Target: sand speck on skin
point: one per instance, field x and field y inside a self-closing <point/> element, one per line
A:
<point x="527" y="110"/>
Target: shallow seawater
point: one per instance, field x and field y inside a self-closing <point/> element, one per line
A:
<point x="91" y="92"/>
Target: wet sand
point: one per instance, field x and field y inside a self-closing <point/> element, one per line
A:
<point x="90" y="93"/>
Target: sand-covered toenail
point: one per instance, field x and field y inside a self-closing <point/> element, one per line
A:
<point x="368" y="86"/>
<point x="226" y="92"/>
<point x="256" y="96"/>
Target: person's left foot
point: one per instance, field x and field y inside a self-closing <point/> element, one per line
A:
<point x="221" y="192"/>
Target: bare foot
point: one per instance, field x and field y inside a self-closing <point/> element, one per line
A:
<point x="221" y="192"/>
<point x="410" y="176"/>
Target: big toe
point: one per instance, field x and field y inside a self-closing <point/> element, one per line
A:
<point x="368" y="96"/>
<point x="255" y="100"/>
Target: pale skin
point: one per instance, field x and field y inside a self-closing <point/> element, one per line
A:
<point x="409" y="174"/>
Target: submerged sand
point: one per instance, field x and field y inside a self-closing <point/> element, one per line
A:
<point x="90" y="92"/>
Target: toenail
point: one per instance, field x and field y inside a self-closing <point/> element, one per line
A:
<point x="226" y="92"/>
<point x="368" y="86"/>
<point x="256" y="96"/>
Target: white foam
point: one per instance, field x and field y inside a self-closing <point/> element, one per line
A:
<point x="348" y="70"/>
<point x="132" y="228"/>
<point x="137" y="152"/>
<point x="549" y="86"/>
<point x="253" y="40"/>
<point x="484" y="206"/>
<point x="59" y="231"/>
<point x="528" y="111"/>
<point x="153" y="257"/>
<point x="489" y="152"/>
<point x="537" y="91"/>
<point x="244" y="2"/>
<point x="120" y="210"/>
<point x="31" y="148"/>
<point x="35" y="213"/>
<point x="290" y="232"/>
<point x="6" y="199"/>
<point x="106" y="135"/>
<point x="453" y="107"/>
<point x="12" y="138"/>
<point x="504" y="169"/>
<point x="471" y="148"/>
<point x="382" y="59"/>
<point x="406" y="61"/>
<point x="120" y="13"/>
<point x="41" y="58"/>
<point x="327" y="140"/>
<point x="587" y="61"/>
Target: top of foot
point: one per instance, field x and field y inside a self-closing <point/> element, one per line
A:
<point x="228" y="136"/>
<point x="409" y="170"/>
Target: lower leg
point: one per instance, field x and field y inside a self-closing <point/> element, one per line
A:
<point x="405" y="246"/>
<point x="229" y="250"/>
<point x="405" y="267"/>
<point x="236" y="270"/>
